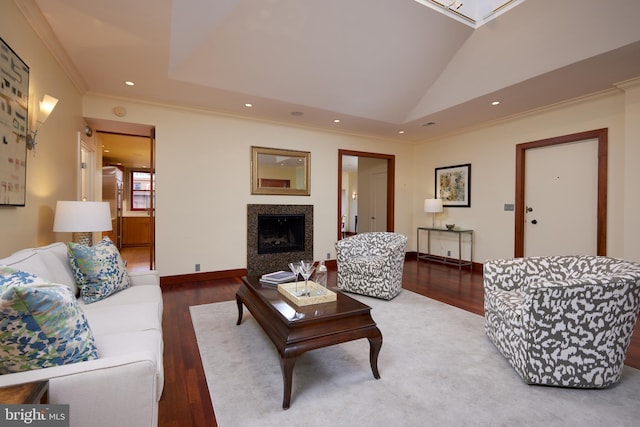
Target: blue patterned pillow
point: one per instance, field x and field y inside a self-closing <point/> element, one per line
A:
<point x="99" y="269"/>
<point x="41" y="324"/>
<point x="9" y="276"/>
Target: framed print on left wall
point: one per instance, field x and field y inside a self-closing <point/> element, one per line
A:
<point x="453" y="185"/>
<point x="14" y="126"/>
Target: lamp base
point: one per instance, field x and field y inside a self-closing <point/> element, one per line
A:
<point x="83" y="238"/>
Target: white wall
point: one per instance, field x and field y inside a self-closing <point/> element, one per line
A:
<point x="630" y="223"/>
<point x="491" y="151"/>
<point x="203" y="181"/>
<point x="51" y="174"/>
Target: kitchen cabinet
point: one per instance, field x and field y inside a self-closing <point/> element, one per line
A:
<point x="136" y="231"/>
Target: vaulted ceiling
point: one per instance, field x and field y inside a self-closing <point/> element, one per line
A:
<point x="379" y="67"/>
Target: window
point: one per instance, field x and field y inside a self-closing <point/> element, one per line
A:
<point x="141" y="190"/>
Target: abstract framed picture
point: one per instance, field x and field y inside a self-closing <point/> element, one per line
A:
<point x="14" y="126"/>
<point x="453" y="185"/>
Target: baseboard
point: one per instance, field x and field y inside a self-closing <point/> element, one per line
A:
<point x="239" y="272"/>
<point x="203" y="276"/>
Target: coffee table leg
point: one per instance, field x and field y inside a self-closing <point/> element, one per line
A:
<point x="287" y="376"/>
<point x="375" y="344"/>
<point x="239" y="310"/>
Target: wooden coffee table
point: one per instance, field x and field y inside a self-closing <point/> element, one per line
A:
<point x="295" y="330"/>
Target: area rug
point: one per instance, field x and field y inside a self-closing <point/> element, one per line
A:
<point x="437" y="368"/>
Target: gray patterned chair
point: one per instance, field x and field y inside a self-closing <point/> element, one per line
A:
<point x="371" y="264"/>
<point x="562" y="320"/>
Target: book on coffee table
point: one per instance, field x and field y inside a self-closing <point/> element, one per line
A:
<point x="277" y="277"/>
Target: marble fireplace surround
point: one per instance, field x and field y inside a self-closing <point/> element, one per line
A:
<point x="258" y="264"/>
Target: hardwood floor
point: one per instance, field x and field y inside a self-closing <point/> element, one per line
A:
<point x="186" y="401"/>
<point x="137" y="257"/>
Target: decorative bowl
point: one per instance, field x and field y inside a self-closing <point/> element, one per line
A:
<point x="450" y="226"/>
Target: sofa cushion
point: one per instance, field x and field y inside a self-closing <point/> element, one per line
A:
<point x="130" y="317"/>
<point x="55" y="258"/>
<point x="99" y="270"/>
<point x="41" y="324"/>
<point x="44" y="262"/>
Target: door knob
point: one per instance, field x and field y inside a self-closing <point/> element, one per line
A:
<point x="534" y="222"/>
<point x="529" y="209"/>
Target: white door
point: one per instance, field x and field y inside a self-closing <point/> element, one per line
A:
<point x="378" y="199"/>
<point x="87" y="170"/>
<point x="561" y="188"/>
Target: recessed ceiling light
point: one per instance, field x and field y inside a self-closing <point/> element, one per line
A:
<point x="400" y="131"/>
<point x="107" y="151"/>
<point x="495" y="103"/>
<point x="248" y="105"/>
<point x="129" y="83"/>
<point x="336" y="120"/>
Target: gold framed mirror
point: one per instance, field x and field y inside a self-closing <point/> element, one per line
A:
<point x="280" y="172"/>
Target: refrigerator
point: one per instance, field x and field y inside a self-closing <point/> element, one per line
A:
<point x="112" y="192"/>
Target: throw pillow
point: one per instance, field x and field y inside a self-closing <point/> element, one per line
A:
<point x="41" y="325"/>
<point x="9" y="276"/>
<point x="99" y="269"/>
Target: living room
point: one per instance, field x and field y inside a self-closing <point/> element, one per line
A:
<point x="203" y="159"/>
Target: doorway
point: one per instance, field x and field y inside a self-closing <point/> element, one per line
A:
<point x="366" y="183"/>
<point x="568" y="147"/>
<point x="130" y="149"/>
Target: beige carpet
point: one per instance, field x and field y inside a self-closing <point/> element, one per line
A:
<point x="437" y="369"/>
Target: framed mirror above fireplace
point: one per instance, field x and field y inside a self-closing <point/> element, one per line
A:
<point x="280" y="172"/>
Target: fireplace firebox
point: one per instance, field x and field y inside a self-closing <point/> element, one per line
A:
<point x="280" y="233"/>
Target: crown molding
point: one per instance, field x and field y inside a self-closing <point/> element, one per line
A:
<point x="41" y="27"/>
<point x="628" y="84"/>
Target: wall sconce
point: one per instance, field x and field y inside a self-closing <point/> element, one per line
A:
<point x="47" y="105"/>
<point x="433" y="206"/>
<point x="354" y="195"/>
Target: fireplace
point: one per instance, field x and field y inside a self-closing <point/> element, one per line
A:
<point x="277" y="235"/>
<point x="280" y="233"/>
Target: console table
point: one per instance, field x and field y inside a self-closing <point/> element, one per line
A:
<point x="445" y="260"/>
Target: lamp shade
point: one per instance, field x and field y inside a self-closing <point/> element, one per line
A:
<point x="47" y="105"/>
<point x="433" y="205"/>
<point x="82" y="216"/>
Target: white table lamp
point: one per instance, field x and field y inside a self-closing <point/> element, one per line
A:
<point x="433" y="206"/>
<point x="82" y="219"/>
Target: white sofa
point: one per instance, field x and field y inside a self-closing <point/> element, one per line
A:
<point x="124" y="385"/>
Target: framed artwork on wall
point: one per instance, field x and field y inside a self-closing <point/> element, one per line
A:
<point x="453" y="185"/>
<point x="14" y="126"/>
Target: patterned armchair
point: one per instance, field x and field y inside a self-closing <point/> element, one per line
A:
<point x="371" y="264"/>
<point x="562" y="320"/>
